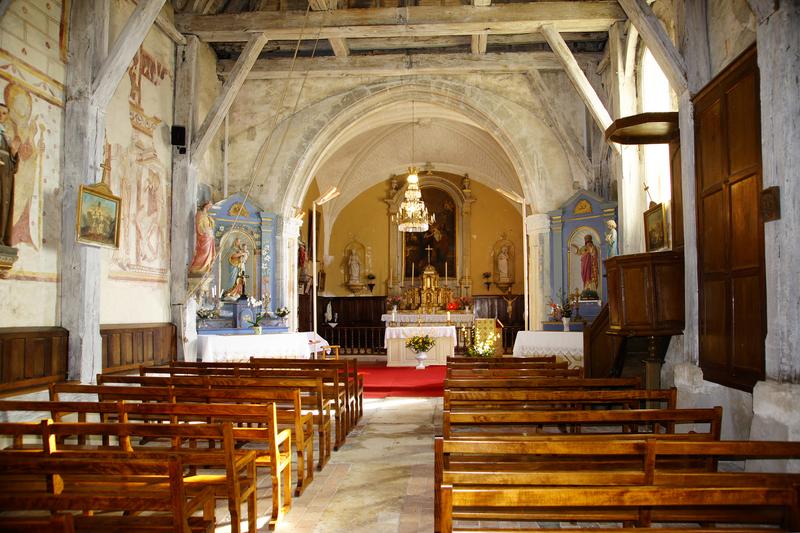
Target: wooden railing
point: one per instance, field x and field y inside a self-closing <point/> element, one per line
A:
<point x="355" y="340"/>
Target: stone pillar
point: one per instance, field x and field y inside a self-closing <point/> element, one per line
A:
<point x="538" y="229"/>
<point x="779" y="63"/>
<point x="287" y="232"/>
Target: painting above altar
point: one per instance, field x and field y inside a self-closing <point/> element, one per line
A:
<point x="440" y="237"/>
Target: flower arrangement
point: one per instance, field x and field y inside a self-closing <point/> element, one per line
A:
<point x="258" y="319"/>
<point x="562" y="309"/>
<point x="206" y="313"/>
<point x="462" y="302"/>
<point x="393" y="301"/>
<point x="420" y="343"/>
<point x="486" y="275"/>
<point x="482" y="345"/>
<point x="371" y="276"/>
<point x="282" y="311"/>
<point x="465" y="301"/>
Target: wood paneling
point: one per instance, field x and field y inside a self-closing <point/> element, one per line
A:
<point x="600" y="350"/>
<point x="730" y="235"/>
<point x="31" y="357"/>
<point x="127" y="346"/>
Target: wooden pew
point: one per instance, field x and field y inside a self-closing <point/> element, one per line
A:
<point x="560" y="399"/>
<point x="720" y="504"/>
<point x="334" y="389"/>
<point x="107" y="482"/>
<point x="57" y="523"/>
<point x="238" y="484"/>
<point x="515" y="373"/>
<point x="502" y="360"/>
<point x="480" y="363"/>
<point x="288" y="404"/>
<point x="507" y="423"/>
<point x="656" y="460"/>
<point x="347" y="366"/>
<point x="542" y="383"/>
<point x="311" y="389"/>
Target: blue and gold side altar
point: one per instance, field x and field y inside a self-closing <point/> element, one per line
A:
<point x="242" y="279"/>
<point x="581" y="238"/>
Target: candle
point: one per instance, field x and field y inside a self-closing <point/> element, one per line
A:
<point x="412" y="274"/>
<point x="445" y="275"/>
<point x="448" y="316"/>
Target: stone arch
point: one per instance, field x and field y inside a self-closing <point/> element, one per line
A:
<point x="325" y="124"/>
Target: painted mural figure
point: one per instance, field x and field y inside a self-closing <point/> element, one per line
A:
<point x="204" y="241"/>
<point x="237" y="260"/>
<point x="8" y="167"/>
<point x="611" y="239"/>
<point x="354" y="268"/>
<point x="26" y="132"/>
<point x="589" y="266"/>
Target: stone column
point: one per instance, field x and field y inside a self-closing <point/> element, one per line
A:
<point x="779" y="63"/>
<point x="287" y="232"/>
<point x="538" y="229"/>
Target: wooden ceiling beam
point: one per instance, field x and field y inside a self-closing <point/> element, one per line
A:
<point x="656" y="39"/>
<point x="407" y="21"/>
<point x="579" y="80"/>
<point x="388" y="65"/>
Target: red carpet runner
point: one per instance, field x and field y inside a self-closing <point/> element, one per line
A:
<point x="382" y="381"/>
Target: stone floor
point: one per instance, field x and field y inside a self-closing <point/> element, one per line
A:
<point x="380" y="481"/>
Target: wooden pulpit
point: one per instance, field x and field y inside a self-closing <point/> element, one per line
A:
<point x="645" y="299"/>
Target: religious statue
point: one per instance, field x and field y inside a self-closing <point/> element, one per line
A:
<point x="204" y="241"/>
<point x="502" y="264"/>
<point x="9" y="159"/>
<point x="237" y="259"/>
<point x="589" y="266"/>
<point x="611" y="239"/>
<point x="354" y="267"/>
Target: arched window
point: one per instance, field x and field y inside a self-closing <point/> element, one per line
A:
<point x="655" y="96"/>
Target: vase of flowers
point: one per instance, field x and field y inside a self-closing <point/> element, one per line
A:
<point x="393" y="301"/>
<point x="282" y="313"/>
<point x="563" y="310"/>
<point x="420" y="344"/>
<point x="465" y="302"/>
<point x="482" y="344"/>
<point x="257" y="320"/>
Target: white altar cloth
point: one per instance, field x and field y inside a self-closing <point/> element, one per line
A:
<point x="456" y="317"/>
<point x="568" y="345"/>
<point x="398" y="355"/>
<point x="243" y="347"/>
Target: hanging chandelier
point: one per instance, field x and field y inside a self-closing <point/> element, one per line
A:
<point x="413" y="215"/>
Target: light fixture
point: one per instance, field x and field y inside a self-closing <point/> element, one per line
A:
<point x="514" y="197"/>
<point x="330" y="195"/>
<point x="413" y="215"/>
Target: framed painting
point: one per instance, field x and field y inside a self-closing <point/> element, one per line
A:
<point x="439" y="242"/>
<point x="655" y="228"/>
<point x="98" y="219"/>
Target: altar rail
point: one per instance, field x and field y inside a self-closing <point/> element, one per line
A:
<point x="354" y="340"/>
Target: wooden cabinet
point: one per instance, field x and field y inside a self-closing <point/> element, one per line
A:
<point x="645" y="294"/>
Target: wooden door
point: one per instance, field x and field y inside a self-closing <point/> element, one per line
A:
<point x="730" y="228"/>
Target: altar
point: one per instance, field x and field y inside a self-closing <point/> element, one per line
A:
<point x="566" y="345"/>
<point x="398" y="355"/>
<point x="304" y="345"/>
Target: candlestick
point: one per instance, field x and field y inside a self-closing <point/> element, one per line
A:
<point x="394" y="315"/>
<point x="412" y="274"/>
<point x="445" y="278"/>
<point x="448" y="316"/>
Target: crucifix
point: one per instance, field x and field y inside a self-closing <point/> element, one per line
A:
<point x="429" y="250"/>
